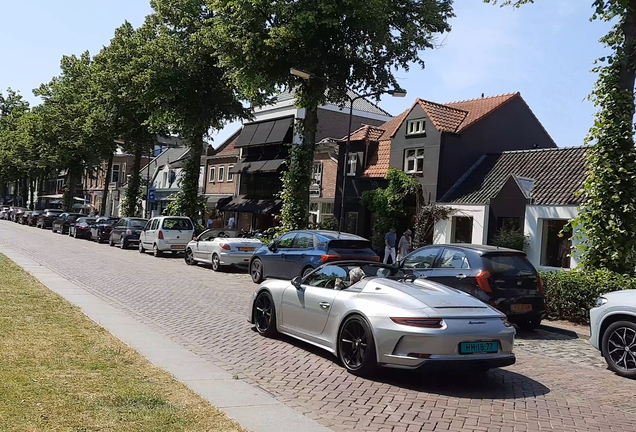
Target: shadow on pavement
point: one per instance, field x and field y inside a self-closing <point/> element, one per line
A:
<point x="495" y="384"/>
<point x="542" y="334"/>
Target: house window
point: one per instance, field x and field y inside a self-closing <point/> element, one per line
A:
<point x="115" y="174"/>
<point x="230" y="176"/>
<point x="326" y="209"/>
<point x="462" y="229"/>
<point x="314" y="212"/>
<point x="351" y="222"/>
<point x="509" y="224"/>
<point x="316" y="177"/>
<point x="221" y="173"/>
<point x="212" y="175"/>
<point x="555" y="248"/>
<point x="416" y="127"/>
<point x="414" y="161"/>
<point x="352" y="164"/>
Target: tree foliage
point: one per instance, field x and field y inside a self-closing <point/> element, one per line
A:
<point x="389" y="204"/>
<point x="607" y="219"/>
<point x="349" y="44"/>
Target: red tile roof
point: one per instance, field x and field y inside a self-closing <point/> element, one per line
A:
<point x="366" y="133"/>
<point x="379" y="160"/>
<point x="480" y="107"/>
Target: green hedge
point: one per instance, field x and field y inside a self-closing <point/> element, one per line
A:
<point x="571" y="294"/>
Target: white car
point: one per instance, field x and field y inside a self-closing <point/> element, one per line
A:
<point x="166" y="234"/>
<point x="221" y="247"/>
<point x="613" y="331"/>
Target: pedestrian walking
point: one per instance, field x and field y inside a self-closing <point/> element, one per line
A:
<point x="390" y="239"/>
<point x="230" y="222"/>
<point x="404" y="246"/>
<point x="210" y="222"/>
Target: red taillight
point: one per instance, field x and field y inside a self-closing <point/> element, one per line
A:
<point x="419" y="355"/>
<point x="540" y="283"/>
<point x="482" y="280"/>
<point x="419" y="322"/>
<point x="506" y="322"/>
<point x="329" y="257"/>
<point x="225" y="246"/>
<point x="375" y="258"/>
<point x="160" y="235"/>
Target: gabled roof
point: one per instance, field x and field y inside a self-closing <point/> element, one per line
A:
<point x="227" y="147"/>
<point x="171" y="154"/>
<point x="360" y="104"/>
<point x="366" y="133"/>
<point x="479" y="108"/>
<point x="557" y="175"/>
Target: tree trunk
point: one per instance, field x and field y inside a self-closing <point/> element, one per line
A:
<point x="3" y="191"/>
<point x="132" y="193"/>
<point x="190" y="183"/>
<point x="104" y="203"/>
<point x="24" y="190"/>
<point x="627" y="74"/>
<point x="69" y="190"/>
<point x="32" y="194"/>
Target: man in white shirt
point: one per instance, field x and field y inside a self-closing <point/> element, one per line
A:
<point x="230" y="222"/>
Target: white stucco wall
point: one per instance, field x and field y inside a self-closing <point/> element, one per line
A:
<point x="533" y="226"/>
<point x="479" y="213"/>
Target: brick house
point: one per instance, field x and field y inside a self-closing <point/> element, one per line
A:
<point x="262" y="147"/>
<point x="437" y="144"/>
<point x="220" y="182"/>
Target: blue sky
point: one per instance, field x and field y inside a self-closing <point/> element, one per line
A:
<point x="544" y="50"/>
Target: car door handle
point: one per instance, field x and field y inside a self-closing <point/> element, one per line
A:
<point x="282" y="255"/>
<point x="324" y="305"/>
<point x="304" y="255"/>
<point x="461" y="276"/>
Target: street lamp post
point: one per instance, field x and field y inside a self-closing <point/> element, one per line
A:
<point x="394" y="92"/>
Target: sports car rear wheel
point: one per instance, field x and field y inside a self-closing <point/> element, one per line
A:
<point x="189" y="258"/>
<point x="265" y="315"/>
<point x="356" y="346"/>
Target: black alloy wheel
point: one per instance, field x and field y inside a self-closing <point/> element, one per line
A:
<point x="256" y="270"/>
<point x="619" y="348"/>
<point x="356" y="347"/>
<point x="265" y="315"/>
<point x="123" y="244"/>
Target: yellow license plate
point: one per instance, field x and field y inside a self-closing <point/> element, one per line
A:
<point x="177" y="247"/>
<point x="246" y="249"/>
<point x="520" y="308"/>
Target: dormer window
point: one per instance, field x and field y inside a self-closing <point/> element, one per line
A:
<point x="352" y="164"/>
<point x="416" y="127"/>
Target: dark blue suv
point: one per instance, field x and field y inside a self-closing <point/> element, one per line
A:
<point x="297" y="253"/>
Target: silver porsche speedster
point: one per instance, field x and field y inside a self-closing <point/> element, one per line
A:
<point x="371" y="314"/>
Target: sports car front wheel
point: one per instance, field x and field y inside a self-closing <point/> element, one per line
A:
<point x="265" y="315"/>
<point x="356" y="346"/>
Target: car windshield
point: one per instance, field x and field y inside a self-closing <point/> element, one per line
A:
<point x="137" y="223"/>
<point x="177" y="224"/>
<point x="340" y="275"/>
<point x="508" y="265"/>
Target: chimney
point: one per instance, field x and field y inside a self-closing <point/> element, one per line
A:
<point x="482" y="95"/>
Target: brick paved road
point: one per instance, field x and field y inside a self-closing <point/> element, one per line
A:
<point x="558" y="383"/>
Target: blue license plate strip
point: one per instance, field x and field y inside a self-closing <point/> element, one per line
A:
<point x="480" y="347"/>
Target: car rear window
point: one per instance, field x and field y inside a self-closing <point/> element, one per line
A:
<point x="508" y="265"/>
<point x="177" y="224"/>
<point x="137" y="223"/>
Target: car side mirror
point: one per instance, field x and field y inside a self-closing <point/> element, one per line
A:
<point x="297" y="282"/>
<point x="272" y="246"/>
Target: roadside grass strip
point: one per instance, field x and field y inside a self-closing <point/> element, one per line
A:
<point x="59" y="371"/>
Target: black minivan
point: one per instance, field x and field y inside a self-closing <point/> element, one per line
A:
<point x="503" y="278"/>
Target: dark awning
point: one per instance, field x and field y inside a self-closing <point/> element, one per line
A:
<point x="251" y="205"/>
<point x="246" y="135"/>
<point x="272" y="165"/>
<point x="239" y="167"/>
<point x="279" y="131"/>
<point x="267" y="132"/>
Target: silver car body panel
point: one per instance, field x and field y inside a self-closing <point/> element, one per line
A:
<point x="618" y="303"/>
<point x="314" y="315"/>
<point x="240" y="252"/>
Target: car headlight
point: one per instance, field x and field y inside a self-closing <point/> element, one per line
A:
<point x="600" y="302"/>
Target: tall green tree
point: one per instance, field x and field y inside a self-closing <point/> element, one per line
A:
<point x="68" y="122"/>
<point x="607" y="219"/>
<point x="117" y="73"/>
<point x="350" y="43"/>
<point x="187" y="88"/>
<point x="13" y="107"/>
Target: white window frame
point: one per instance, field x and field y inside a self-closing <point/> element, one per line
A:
<point x="416" y="127"/>
<point x="230" y="176"/>
<point x="324" y="206"/>
<point x="418" y="154"/>
<point x="221" y="176"/>
<point x="316" y="174"/>
<point x="113" y="171"/>
<point x="212" y="175"/>
<point x="352" y="164"/>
